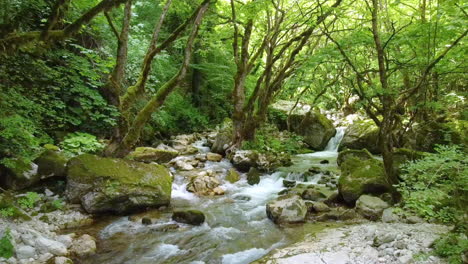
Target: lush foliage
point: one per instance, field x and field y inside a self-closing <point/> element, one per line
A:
<point x="29" y="200"/>
<point x="78" y="143"/>
<point x="452" y="247"/>
<point x="269" y="139"/>
<point x="6" y="247"/>
<point x="436" y="187"/>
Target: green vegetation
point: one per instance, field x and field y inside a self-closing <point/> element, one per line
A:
<point x="6" y="247"/>
<point x="269" y="139"/>
<point x="80" y="143"/>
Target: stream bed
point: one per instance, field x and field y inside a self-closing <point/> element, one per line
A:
<point x="236" y="230"/>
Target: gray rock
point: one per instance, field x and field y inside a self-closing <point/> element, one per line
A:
<point x="62" y="260"/>
<point x="45" y="245"/>
<point x="192" y="217"/>
<point x="25" y="252"/>
<point x="388" y="216"/>
<point x="84" y="246"/>
<point x="287" y="209"/>
<point x="370" y="207"/>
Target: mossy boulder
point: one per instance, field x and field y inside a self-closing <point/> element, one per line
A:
<point x="287" y="209"/>
<point x="51" y="164"/>
<point x="362" y="134"/>
<point x="147" y="154"/>
<point x="19" y="175"/>
<point x="116" y="185"/>
<point x="253" y="176"/>
<point x="344" y="155"/>
<point x="362" y="177"/>
<point x="232" y="176"/>
<point x="316" y="128"/>
<point x="191" y="217"/>
<point x="222" y="141"/>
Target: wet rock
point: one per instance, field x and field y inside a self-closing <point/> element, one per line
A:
<point x="184" y="165"/>
<point x="222" y="142"/>
<point x="192" y="217"/>
<point x="146" y="221"/>
<point x="313" y="195"/>
<point x="159" y="155"/>
<point x="370" y="207"/>
<point x="243" y="160"/>
<point x="214" y="157"/>
<point x="253" y="176"/>
<point x="320" y="207"/>
<point x="201" y="157"/>
<point x="324" y="162"/>
<point x="232" y="176"/>
<point x="203" y="185"/>
<point x="218" y="191"/>
<point x="289" y="183"/>
<point x="116" y="185"/>
<point x="287" y="209"/>
<point x="362" y="134"/>
<point x="84" y="246"/>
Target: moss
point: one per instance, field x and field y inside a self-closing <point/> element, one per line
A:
<point x="19" y="176"/>
<point x="362" y="134"/>
<point x="361" y="176"/>
<point x="362" y="154"/>
<point x="232" y="176"/>
<point x="146" y="154"/>
<point x="51" y="163"/>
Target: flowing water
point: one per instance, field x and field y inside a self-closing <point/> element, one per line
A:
<point x="236" y="230"/>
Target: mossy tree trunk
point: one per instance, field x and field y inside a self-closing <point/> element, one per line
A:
<point x="121" y="147"/>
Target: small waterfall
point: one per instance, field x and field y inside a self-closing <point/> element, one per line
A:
<point x="335" y="141"/>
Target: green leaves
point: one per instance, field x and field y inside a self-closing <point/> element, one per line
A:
<point x="80" y="143"/>
<point x="6" y="246"/>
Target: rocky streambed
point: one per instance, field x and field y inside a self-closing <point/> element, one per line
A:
<point x="288" y="215"/>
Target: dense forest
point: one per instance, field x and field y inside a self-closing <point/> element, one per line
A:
<point x="146" y="131"/>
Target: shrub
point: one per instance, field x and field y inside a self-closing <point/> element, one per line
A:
<point x="269" y="139"/>
<point x="6" y="247"/>
<point x="78" y="143"/>
<point x="452" y="247"/>
<point x="436" y="187"/>
<point x="29" y="201"/>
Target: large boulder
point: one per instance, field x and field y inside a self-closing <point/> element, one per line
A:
<point x="19" y="175"/>
<point x="204" y="185"/>
<point x="371" y="207"/>
<point x="362" y="177"/>
<point x="51" y="164"/>
<point x="243" y="160"/>
<point x="222" y="142"/>
<point x="362" y="134"/>
<point x="253" y="176"/>
<point x="147" y="154"/>
<point x="287" y="209"/>
<point x="117" y="185"/>
<point x="344" y="155"/>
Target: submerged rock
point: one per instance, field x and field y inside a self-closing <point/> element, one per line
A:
<point x="371" y="207"/>
<point x="191" y="217"/>
<point x="159" y="155"/>
<point x="289" y="183"/>
<point x="287" y="209"/>
<point x="117" y="185"/>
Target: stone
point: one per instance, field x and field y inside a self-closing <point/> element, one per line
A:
<point x="67" y="240"/>
<point x="62" y="260"/>
<point x="51" y="164"/>
<point x="289" y="183"/>
<point x="159" y="155"/>
<point x="232" y="176"/>
<point x="287" y="209"/>
<point x="192" y="217"/>
<point x="253" y="176"/>
<point x="214" y="157"/>
<point x="324" y="162"/>
<point x="313" y="195"/>
<point x="20" y="176"/>
<point x="362" y="134"/>
<point x="389" y="216"/>
<point x="243" y="160"/>
<point x="320" y="207"/>
<point x="203" y="185"/>
<point x="347" y="154"/>
<point x="25" y="252"/>
<point x="362" y="177"/>
<point x="371" y="207"/>
<point x="84" y="246"/>
<point x="184" y="165"/>
<point x="146" y="221"/>
<point x="222" y="142"/>
<point x="117" y="185"/>
<point x="218" y="191"/>
<point x="382" y="238"/>
<point x="45" y="245"/>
